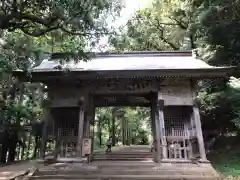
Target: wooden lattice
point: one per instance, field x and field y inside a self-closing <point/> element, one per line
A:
<point x="177" y="125"/>
<point x="68" y="142"/>
<point x="67" y="135"/>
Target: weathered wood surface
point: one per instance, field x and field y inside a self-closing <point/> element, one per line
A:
<point x="177" y="93"/>
<point x="174" y="92"/>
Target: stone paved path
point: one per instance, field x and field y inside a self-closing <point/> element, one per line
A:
<point x="124" y="163"/>
<point x="12" y="171"/>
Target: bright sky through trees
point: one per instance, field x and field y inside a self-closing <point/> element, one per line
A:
<point x="130" y="7"/>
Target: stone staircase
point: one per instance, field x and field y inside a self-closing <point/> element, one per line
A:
<point x="122" y="165"/>
<point x="131" y="153"/>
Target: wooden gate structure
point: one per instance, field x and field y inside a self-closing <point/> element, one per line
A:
<point x="164" y="81"/>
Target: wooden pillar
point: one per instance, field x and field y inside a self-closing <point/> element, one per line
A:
<point x="80" y="131"/>
<point x="46" y="118"/>
<point x="86" y="128"/>
<point x="156" y="136"/>
<point x="57" y="133"/>
<point x="196" y="116"/>
<point x="161" y="124"/>
<point x="92" y="122"/>
<point x="197" y="122"/>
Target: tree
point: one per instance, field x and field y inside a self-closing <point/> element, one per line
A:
<point x="225" y="15"/>
<point x="176" y="25"/>
<point x="37" y="18"/>
<point x="131" y="125"/>
<point x="164" y="26"/>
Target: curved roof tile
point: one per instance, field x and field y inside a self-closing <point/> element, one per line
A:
<point x="131" y="61"/>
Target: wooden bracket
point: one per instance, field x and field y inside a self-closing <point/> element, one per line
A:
<point x="160" y="104"/>
<point x="46" y="103"/>
<point x="81" y="102"/>
<point x="196" y="102"/>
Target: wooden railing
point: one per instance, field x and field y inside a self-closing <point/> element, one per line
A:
<point x="179" y="141"/>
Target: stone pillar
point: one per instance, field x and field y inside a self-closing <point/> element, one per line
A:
<point x="80" y="127"/>
<point x="197" y="120"/>
<point x="46" y="118"/>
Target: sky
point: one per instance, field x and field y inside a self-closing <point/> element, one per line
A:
<point x="131" y="6"/>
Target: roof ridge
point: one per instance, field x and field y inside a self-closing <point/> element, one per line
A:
<point x="58" y="55"/>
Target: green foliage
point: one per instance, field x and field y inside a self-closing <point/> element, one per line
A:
<point x="221" y="19"/>
<point x="131" y="125"/>
<point x="227" y="163"/>
<point x="37" y="18"/>
<point x="233" y="94"/>
<point x="164" y="26"/>
<point x="209" y="26"/>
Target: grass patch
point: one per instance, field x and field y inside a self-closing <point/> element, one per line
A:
<point x="226" y="162"/>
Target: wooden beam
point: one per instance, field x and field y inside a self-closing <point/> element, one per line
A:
<point x="46" y="119"/>
<point x="46" y="76"/>
<point x="80" y="131"/>
<point x="120" y="104"/>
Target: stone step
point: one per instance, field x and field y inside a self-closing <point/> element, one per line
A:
<point x="127" y="172"/>
<point x="126" y="156"/>
<point x="125" y="153"/>
<point x="145" y="164"/>
<point x="123" y="170"/>
<point x="125" y="177"/>
<point x="121" y="159"/>
<point x="125" y="164"/>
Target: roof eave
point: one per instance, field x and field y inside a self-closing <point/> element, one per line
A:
<point x="206" y="73"/>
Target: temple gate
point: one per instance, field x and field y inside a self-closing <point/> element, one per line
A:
<point x="164" y="81"/>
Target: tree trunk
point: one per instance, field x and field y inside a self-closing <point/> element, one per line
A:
<point x="29" y="144"/>
<point x="99" y="132"/>
<point x="23" y="147"/>
<point x="128" y="134"/>
<point x="5" y="142"/>
<point x="123" y="132"/>
<point x="126" y="131"/>
<point x="12" y="146"/>
<point x="113" y="127"/>
<point x="36" y="147"/>
<point x="109" y="128"/>
<point x="191" y="37"/>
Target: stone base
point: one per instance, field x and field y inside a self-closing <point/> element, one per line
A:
<point x="52" y="160"/>
<point x="128" y="170"/>
<point x="72" y="160"/>
<point x="175" y="161"/>
<point x="204" y="161"/>
<point x="193" y="161"/>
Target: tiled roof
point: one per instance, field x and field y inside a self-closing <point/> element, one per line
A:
<point x="129" y="61"/>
